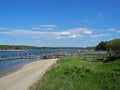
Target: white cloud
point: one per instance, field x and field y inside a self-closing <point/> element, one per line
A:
<point x="58" y="37"/>
<point x="118" y="31"/>
<point x="37" y="41"/>
<point x="63" y="33"/>
<point x="73" y="36"/>
<point x="36" y="28"/>
<point x="71" y="33"/>
<point x="112" y="29"/>
<point x="87" y="32"/>
<point x="77" y="30"/>
<point x="46" y="25"/>
<point x="99" y="35"/>
<point x="20" y="32"/>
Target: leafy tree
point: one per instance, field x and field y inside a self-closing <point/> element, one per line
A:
<point x="113" y="45"/>
<point x="102" y="46"/>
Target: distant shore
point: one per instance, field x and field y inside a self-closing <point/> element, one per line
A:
<point x="26" y="76"/>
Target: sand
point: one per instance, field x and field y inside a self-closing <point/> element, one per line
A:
<point x="26" y="76"/>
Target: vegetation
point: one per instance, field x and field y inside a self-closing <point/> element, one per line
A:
<point x="90" y="48"/>
<point x="7" y="47"/>
<point x="114" y="45"/>
<point x="113" y="48"/>
<point x="86" y="72"/>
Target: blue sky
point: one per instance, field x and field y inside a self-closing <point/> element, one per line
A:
<point x="77" y="23"/>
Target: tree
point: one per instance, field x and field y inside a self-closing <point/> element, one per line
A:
<point x="101" y="46"/>
<point x="114" y="45"/>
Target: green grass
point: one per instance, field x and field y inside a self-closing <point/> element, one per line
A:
<point x="74" y="73"/>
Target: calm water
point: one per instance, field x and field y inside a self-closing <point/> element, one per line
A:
<point x="8" y="65"/>
<point x="7" y="54"/>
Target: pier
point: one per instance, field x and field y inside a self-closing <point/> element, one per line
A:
<point x="41" y="56"/>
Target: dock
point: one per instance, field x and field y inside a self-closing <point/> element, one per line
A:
<point x="41" y="56"/>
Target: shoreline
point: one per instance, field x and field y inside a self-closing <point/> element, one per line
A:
<point x="12" y="70"/>
<point x="13" y="58"/>
<point x="26" y="76"/>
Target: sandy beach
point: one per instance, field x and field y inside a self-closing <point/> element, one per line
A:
<point x="26" y="76"/>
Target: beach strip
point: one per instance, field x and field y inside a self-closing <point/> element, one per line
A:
<point x="28" y="75"/>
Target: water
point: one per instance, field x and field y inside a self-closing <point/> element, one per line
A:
<point x="8" y="65"/>
<point x="8" y="54"/>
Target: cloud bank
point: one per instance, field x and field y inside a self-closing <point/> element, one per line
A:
<point x="47" y="32"/>
<point x="71" y="33"/>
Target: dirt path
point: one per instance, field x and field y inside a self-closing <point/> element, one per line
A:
<point x="26" y="76"/>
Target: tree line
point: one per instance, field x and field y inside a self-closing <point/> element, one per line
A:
<point x="24" y="47"/>
<point x="113" y="45"/>
<point x="16" y="47"/>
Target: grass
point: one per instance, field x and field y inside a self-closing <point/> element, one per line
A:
<point x="77" y="73"/>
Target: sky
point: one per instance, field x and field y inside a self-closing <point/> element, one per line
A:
<point x="59" y="23"/>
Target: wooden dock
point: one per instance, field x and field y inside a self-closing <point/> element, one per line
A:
<point x="41" y="56"/>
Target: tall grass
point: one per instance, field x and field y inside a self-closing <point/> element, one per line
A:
<point x="73" y="73"/>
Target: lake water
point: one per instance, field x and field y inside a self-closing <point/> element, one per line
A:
<point x="7" y="54"/>
<point x="11" y="65"/>
<point x="8" y="65"/>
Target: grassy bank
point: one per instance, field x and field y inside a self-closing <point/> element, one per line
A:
<point x="82" y="73"/>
